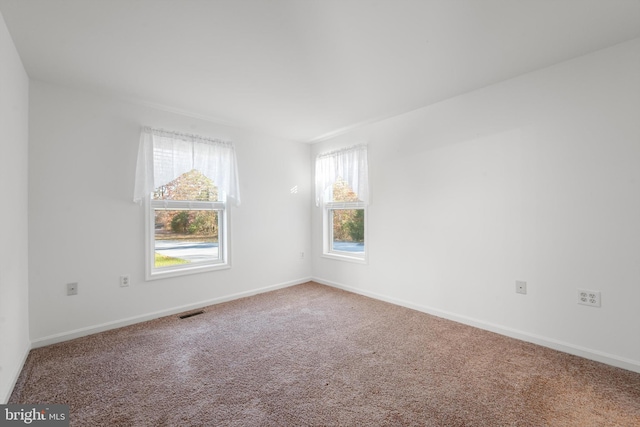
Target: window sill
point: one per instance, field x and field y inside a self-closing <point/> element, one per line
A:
<point x="177" y="272"/>
<point x="340" y="257"/>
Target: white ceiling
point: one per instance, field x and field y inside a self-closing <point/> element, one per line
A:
<point x="304" y="69"/>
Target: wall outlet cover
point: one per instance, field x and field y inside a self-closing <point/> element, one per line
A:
<point x="590" y="298"/>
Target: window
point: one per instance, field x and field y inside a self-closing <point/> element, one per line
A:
<point x="342" y="189"/>
<point x="185" y="181"/>
<point x="345" y="223"/>
<point x="187" y="219"/>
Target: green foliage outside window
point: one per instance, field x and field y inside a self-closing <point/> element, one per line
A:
<point x="355" y="226"/>
<point x="192" y="186"/>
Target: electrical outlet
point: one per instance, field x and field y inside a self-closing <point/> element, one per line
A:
<point x="124" y="281"/>
<point x="521" y="287"/>
<point x="72" y="288"/>
<point x="590" y="298"/>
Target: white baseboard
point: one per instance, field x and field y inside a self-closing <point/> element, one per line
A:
<point x="598" y="356"/>
<point x="16" y="374"/>
<point x="77" y="333"/>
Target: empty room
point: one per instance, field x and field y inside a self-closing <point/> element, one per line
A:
<point x="320" y="213"/>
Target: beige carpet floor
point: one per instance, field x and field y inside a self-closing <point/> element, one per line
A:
<point x="311" y="355"/>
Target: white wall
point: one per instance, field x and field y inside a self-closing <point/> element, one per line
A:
<point x="535" y="179"/>
<point x="85" y="228"/>
<point x="14" y="291"/>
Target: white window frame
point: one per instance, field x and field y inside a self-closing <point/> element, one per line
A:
<point x="223" y="261"/>
<point x="327" y="232"/>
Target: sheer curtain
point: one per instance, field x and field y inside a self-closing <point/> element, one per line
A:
<point x="350" y="164"/>
<point x="163" y="156"/>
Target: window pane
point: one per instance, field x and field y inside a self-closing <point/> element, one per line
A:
<point x="188" y="186"/>
<point x="342" y="192"/>
<point x="348" y="230"/>
<point x="185" y="237"/>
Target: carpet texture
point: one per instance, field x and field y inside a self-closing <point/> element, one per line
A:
<point x="311" y="355"/>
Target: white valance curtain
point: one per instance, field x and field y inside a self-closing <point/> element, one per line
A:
<point x="349" y="164"/>
<point x="163" y="156"/>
